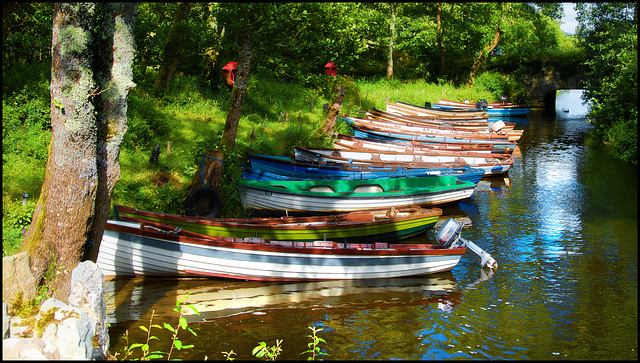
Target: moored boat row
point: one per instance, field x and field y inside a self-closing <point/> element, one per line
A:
<point x="335" y="212"/>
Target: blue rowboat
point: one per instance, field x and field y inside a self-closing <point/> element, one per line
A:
<point x="508" y="111"/>
<point x="285" y="171"/>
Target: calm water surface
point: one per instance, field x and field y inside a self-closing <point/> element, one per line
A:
<point x="562" y="226"/>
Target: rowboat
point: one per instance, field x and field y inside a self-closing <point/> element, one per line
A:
<point x="508" y="111"/>
<point x="493" y="109"/>
<point x="490" y="165"/>
<point x="473" y="124"/>
<point x="352" y="143"/>
<point x="361" y="226"/>
<point x="266" y="167"/>
<point x="472" y="105"/>
<point x="340" y="196"/>
<point x="346" y="142"/>
<point x="129" y="249"/>
<point x="409" y="109"/>
<point x="409" y="144"/>
<point x="498" y="145"/>
<point x="154" y="249"/>
<point x="408" y="127"/>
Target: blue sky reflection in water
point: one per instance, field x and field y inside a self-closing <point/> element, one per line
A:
<point x="563" y="229"/>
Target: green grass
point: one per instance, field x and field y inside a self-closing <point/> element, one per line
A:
<point x="192" y="118"/>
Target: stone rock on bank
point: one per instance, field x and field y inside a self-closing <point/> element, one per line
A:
<point x="77" y="330"/>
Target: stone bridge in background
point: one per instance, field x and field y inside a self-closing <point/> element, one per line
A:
<point x="541" y="87"/>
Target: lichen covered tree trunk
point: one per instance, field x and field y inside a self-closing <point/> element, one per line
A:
<point x="82" y="154"/>
<point x="115" y="72"/>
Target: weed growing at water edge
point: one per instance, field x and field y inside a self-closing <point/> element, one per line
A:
<point x="175" y="342"/>
<point x="314" y="348"/>
<point x="229" y="355"/>
<point x="270" y="353"/>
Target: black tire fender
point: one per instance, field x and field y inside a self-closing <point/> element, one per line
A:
<point x="203" y="202"/>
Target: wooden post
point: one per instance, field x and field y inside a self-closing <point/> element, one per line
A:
<point x="211" y="162"/>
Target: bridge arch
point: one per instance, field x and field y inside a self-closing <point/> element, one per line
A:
<point x="542" y="87"/>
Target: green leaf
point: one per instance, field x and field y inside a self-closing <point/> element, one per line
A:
<point x="187" y="346"/>
<point x="258" y="348"/>
<point x="169" y="327"/>
<point x="183" y="323"/>
<point x="135" y="345"/>
<point x="154" y="356"/>
<point x="178" y="344"/>
<point x="193" y="308"/>
<point x="153" y="337"/>
<point x="144" y="328"/>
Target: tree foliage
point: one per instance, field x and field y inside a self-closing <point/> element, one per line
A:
<point x="608" y="32"/>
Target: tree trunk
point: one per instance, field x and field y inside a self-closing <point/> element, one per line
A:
<point x="71" y="177"/>
<point x="116" y="71"/>
<point x="211" y="169"/>
<point x="483" y="56"/>
<point x="332" y="115"/>
<point x="170" y="56"/>
<point x="81" y="145"/>
<point x="391" y="40"/>
<point x="439" y="39"/>
<point x="496" y="39"/>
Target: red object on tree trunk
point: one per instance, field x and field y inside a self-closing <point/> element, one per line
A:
<point x="229" y="72"/>
<point x="330" y="69"/>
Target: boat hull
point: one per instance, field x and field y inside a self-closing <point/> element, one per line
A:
<point x="493" y="112"/>
<point x="264" y="168"/>
<point x="289" y="197"/>
<point x="497" y="145"/>
<point x="402" y="108"/>
<point x="366" y="226"/>
<point x="126" y="250"/>
<point x="490" y="166"/>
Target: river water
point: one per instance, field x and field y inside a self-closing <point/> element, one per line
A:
<point x="562" y="227"/>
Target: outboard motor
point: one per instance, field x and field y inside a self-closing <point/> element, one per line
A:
<point x="449" y="236"/>
<point x="482" y="104"/>
<point x="427" y="105"/>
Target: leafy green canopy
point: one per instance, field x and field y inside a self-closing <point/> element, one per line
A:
<point x="609" y="34"/>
